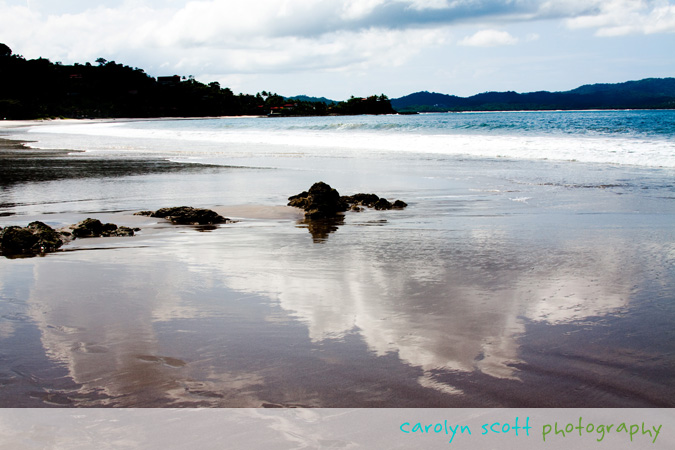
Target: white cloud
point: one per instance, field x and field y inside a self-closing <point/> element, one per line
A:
<point x="624" y="17"/>
<point x="238" y="37"/>
<point x="489" y="38"/>
<point x="357" y="9"/>
<point x="218" y="36"/>
<point x="428" y="4"/>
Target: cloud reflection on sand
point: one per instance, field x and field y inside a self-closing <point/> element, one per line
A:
<point x="434" y="311"/>
<point x="457" y="305"/>
<point x="104" y="332"/>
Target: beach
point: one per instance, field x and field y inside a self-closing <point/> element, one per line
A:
<point x="532" y="267"/>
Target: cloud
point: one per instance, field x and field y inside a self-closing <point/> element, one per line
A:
<point x="624" y="17"/>
<point x="489" y="38"/>
<point x="233" y="37"/>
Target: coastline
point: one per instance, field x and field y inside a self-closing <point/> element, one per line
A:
<point x="34" y="122"/>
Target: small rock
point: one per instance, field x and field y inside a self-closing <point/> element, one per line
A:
<point x="299" y="200"/>
<point x="95" y="228"/>
<point x="37" y="237"/>
<point x="382" y="204"/>
<point x="361" y="199"/>
<point x="186" y="215"/>
<point x="48" y="238"/>
<point x="88" y="228"/>
<point x="125" y="231"/>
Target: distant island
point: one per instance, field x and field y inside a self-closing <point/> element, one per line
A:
<point x="39" y="88"/>
<point x="650" y="93"/>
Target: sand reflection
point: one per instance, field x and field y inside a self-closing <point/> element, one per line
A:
<point x="118" y="320"/>
<point x="99" y="320"/>
<point x="458" y="305"/>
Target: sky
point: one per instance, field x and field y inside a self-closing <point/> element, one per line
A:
<point x="340" y="48"/>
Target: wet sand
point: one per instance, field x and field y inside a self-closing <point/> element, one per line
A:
<point x="476" y="300"/>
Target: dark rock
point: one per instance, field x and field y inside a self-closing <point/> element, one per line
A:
<point x="144" y="213"/>
<point x="37" y="237"/>
<point x="382" y="204"/>
<point x="88" y="228"/>
<point x="95" y="228"/>
<point x="299" y="200"/>
<point x="321" y="201"/>
<point x="186" y="215"/>
<point x="109" y="229"/>
<point x="372" y="201"/>
<point x="17" y="239"/>
<point x="361" y="199"/>
<point x="126" y="231"/>
<point x="48" y="238"/>
<point x="322" y="205"/>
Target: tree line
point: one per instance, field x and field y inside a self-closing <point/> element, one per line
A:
<point x="39" y="88"/>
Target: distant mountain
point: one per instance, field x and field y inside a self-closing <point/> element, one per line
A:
<point x="650" y="93"/>
<point x="305" y="98"/>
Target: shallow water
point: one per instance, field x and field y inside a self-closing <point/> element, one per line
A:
<point x="506" y="282"/>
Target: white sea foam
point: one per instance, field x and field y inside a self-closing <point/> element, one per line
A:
<point x="214" y="139"/>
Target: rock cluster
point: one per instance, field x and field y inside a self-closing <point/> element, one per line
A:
<point x="39" y="237"/>
<point x="356" y="201"/>
<point x="95" y="228"/>
<point x="322" y="201"/>
<point x="187" y="215"/>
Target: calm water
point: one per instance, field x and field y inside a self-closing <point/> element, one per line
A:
<point x="533" y="266"/>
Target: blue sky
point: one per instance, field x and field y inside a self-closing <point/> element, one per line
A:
<point x="340" y="48"/>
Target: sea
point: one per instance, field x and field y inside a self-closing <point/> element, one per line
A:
<point x="534" y="265"/>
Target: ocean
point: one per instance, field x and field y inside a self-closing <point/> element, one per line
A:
<point x="533" y="266"/>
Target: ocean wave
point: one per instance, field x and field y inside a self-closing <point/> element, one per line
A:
<point x="632" y="138"/>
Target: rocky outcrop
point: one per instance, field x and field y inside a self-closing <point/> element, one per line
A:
<point x="95" y="228"/>
<point x="187" y="215"/>
<point x="39" y="237"/>
<point x="324" y="206"/>
<point x="372" y="201"/>
<point x="322" y="201"/>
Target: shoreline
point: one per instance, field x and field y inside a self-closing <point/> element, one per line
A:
<point x="35" y="122"/>
<point x="463" y="138"/>
<point x="22" y="123"/>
